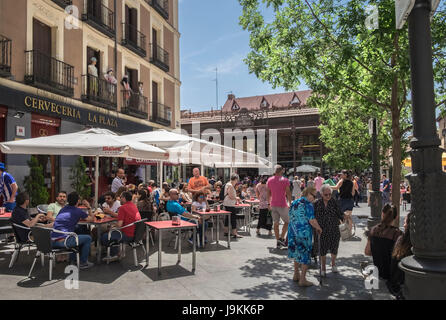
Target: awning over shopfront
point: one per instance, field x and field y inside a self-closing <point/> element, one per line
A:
<point x="92" y="142"/>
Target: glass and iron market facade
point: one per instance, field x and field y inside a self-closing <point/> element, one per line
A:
<point x="49" y="84"/>
<point x="296" y="122"/>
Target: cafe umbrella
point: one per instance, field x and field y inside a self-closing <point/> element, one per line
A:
<point x="93" y="142"/>
<point x="189" y="150"/>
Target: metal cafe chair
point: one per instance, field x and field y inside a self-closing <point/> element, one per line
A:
<point x="42" y="239"/>
<point x="137" y="241"/>
<point x="21" y="243"/>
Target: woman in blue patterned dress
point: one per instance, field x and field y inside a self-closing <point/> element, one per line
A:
<point x="300" y="234"/>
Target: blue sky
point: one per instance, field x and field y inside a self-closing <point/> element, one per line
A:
<point x="212" y="37"/>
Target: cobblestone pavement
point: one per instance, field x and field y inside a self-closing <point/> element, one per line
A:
<point x="252" y="269"/>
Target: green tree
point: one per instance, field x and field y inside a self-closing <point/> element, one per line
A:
<point x="79" y="180"/>
<point x="35" y="183"/>
<point x="353" y="71"/>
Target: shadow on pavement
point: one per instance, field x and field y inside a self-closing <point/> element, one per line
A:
<point x="347" y="284"/>
<point x="167" y="272"/>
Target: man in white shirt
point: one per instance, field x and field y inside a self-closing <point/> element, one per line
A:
<point x="118" y="181"/>
<point x="111" y="206"/>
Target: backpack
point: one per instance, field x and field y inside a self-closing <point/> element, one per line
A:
<point x="222" y="194"/>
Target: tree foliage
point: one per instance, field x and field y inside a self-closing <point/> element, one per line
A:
<point x="35" y="183"/>
<point x="79" y="180"/>
<point x="355" y="73"/>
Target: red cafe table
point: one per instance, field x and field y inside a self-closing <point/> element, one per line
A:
<point x="166" y="226"/>
<point x="217" y="214"/>
<point x="5" y="216"/>
<point x="98" y="222"/>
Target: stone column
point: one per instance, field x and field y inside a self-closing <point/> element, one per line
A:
<point x="425" y="271"/>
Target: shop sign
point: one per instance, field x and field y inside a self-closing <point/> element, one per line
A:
<point x="20" y="131"/>
<point x="112" y="150"/>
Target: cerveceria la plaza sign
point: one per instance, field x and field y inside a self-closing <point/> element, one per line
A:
<point x="63" y="110"/>
<point x="52" y="106"/>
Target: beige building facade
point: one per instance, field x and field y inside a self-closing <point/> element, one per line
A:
<point x="49" y="83"/>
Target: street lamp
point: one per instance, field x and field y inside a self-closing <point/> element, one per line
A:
<point x="375" y="194"/>
<point x="425" y="271"/>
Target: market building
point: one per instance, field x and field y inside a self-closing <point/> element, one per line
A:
<point x="69" y="65"/>
<point x="297" y="124"/>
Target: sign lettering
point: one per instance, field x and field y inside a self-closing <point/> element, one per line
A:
<point x="64" y="110"/>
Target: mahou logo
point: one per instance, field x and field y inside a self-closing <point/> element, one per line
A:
<point x="112" y="150"/>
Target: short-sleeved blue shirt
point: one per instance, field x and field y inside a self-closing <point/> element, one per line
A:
<point x="176" y="208"/>
<point x="66" y="221"/>
<point x="6" y="180"/>
<point x="386" y="183"/>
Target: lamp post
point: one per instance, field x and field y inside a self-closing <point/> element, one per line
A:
<point x="375" y="194"/>
<point x="425" y="271"/>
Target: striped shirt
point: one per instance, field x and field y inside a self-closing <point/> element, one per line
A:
<point x="116" y="184"/>
<point x="6" y="182"/>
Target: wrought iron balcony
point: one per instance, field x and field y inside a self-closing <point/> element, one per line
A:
<point x="160" y="114"/>
<point x="99" y="17"/>
<point x="134" y="104"/>
<point x="133" y="39"/>
<point x="5" y="56"/>
<point x="99" y="92"/>
<point x="48" y="73"/>
<point x="63" y="3"/>
<point x="159" y="57"/>
<point x="161" y="6"/>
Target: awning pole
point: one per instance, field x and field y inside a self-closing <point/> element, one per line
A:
<point x="161" y="173"/>
<point x="96" y="182"/>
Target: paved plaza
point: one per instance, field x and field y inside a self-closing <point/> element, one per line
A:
<point x="252" y="269"/>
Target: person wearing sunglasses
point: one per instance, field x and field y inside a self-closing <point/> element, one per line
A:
<point x="328" y="214"/>
<point x="300" y="234"/>
<point x="199" y="202"/>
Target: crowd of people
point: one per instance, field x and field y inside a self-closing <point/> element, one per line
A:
<point x="311" y="210"/>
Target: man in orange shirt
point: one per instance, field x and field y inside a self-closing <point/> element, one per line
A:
<point x="198" y="183"/>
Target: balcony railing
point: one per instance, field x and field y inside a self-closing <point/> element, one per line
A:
<point x="98" y="92"/>
<point x="100" y="17"/>
<point x="134" y="104"/>
<point x="159" y="57"/>
<point x="5" y="56"/>
<point x="160" y="114"/>
<point x="133" y="39"/>
<point x="63" y="3"/>
<point x="161" y="6"/>
<point x="48" y="73"/>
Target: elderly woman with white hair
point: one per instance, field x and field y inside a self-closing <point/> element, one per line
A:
<point x="328" y="215"/>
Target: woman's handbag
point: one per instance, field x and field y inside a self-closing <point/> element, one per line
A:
<point x="346" y="232"/>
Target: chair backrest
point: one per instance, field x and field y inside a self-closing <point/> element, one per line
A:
<point x="140" y="228"/>
<point x="42" y="208"/>
<point x="42" y="239"/>
<point x="382" y="254"/>
<point x="18" y="238"/>
<point x="146" y="215"/>
<point x="164" y="216"/>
